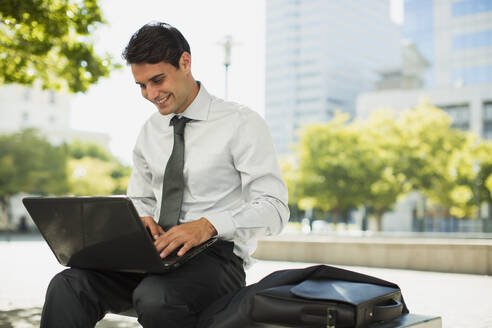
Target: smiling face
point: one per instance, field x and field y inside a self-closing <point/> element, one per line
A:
<point x="170" y="89"/>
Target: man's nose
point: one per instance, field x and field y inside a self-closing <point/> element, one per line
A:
<point x="152" y="92"/>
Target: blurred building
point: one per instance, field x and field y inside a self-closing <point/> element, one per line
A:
<point x="453" y="40"/>
<point x="455" y="37"/>
<point x="319" y="55"/>
<point x="409" y="74"/>
<point x="470" y="107"/>
<point x="49" y="111"/>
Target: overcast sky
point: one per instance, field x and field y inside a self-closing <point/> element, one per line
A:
<point x="114" y="106"/>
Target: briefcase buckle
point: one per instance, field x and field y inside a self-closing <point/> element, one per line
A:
<point x="331" y="317"/>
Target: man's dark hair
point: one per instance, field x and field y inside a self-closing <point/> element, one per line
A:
<point x="156" y="42"/>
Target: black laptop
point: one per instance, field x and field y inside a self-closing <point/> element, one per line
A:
<point x="101" y="233"/>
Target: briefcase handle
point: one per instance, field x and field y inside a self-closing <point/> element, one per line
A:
<point x="388" y="312"/>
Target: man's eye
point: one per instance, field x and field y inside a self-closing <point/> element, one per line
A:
<point x="158" y="81"/>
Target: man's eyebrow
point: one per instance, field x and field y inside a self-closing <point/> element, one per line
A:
<point x="153" y="78"/>
<point x="158" y="76"/>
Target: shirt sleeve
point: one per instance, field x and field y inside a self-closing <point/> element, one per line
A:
<point x="265" y="211"/>
<point x="140" y="185"/>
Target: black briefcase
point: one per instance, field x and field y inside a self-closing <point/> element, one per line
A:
<point x="317" y="296"/>
<point x="327" y="303"/>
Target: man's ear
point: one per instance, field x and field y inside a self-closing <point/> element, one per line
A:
<point x="185" y="61"/>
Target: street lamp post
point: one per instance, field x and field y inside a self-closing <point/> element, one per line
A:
<point x="227" y="44"/>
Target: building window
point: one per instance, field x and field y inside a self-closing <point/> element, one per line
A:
<point x="307" y="100"/>
<point x="25" y="117"/>
<point x="473" y="40"/>
<point x="52" y="97"/>
<point x="469" y="7"/>
<point x="487" y="131"/>
<point x="27" y="94"/>
<point x="487" y="120"/>
<point x="52" y="119"/>
<point x="473" y="75"/>
<point x="487" y="111"/>
<point x="460" y="115"/>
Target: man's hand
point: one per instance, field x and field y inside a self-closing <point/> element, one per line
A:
<point x="154" y="229"/>
<point x="187" y="235"/>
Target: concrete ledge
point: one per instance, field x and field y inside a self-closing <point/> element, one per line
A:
<point x="404" y="321"/>
<point x="442" y="255"/>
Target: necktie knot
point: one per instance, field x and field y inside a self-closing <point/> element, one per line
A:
<point x="179" y="124"/>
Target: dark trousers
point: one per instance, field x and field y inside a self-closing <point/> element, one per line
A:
<point x="80" y="298"/>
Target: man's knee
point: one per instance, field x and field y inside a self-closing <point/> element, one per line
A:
<point x="157" y="305"/>
<point x="68" y="281"/>
<point x="59" y="284"/>
<point x="63" y="293"/>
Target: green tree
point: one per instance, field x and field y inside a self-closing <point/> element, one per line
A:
<point x="375" y="162"/>
<point x="92" y="170"/>
<point x="384" y="173"/>
<point x="50" y="41"/>
<point x="78" y="149"/>
<point x="333" y="166"/>
<point x="484" y="159"/>
<point x="30" y="164"/>
<point x="438" y="160"/>
<point x="90" y="176"/>
<point x="290" y="176"/>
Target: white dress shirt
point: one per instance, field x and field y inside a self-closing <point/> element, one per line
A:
<point x="231" y="172"/>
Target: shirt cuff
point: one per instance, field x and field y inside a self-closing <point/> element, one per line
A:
<point x="223" y="223"/>
<point x="143" y="210"/>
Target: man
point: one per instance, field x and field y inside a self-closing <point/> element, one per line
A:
<point x="229" y="186"/>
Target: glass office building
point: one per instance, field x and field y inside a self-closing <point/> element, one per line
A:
<point x="319" y="55"/>
<point x="455" y="37"/>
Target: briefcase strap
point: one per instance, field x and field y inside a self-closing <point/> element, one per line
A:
<point x="388" y="312"/>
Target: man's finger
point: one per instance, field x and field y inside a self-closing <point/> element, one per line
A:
<point x="154" y="230"/>
<point x="170" y="248"/>
<point x="157" y="230"/>
<point x="186" y="247"/>
<point x="161" y="243"/>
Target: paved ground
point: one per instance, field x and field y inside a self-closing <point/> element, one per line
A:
<point x="27" y="265"/>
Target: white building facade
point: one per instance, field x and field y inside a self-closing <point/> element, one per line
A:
<point x="455" y="36"/>
<point x="49" y="111"/>
<point x="319" y="55"/>
<point x="470" y="107"/>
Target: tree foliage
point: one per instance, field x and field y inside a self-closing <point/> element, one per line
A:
<point x="440" y="160"/>
<point x="92" y="170"/>
<point x="50" y="41"/>
<point x="483" y="155"/>
<point x="388" y="179"/>
<point x="344" y="165"/>
<point x="289" y="175"/>
<point x="333" y="166"/>
<point x="78" y="149"/>
<point x="30" y="164"/>
<point x="93" y="176"/>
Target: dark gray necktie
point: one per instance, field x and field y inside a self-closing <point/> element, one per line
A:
<point x="173" y="184"/>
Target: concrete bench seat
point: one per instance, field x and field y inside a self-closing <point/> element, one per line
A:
<point x="406" y="320"/>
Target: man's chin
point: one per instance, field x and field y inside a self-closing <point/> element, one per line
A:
<point x="165" y="110"/>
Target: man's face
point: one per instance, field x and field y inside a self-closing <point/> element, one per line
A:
<point x="167" y="87"/>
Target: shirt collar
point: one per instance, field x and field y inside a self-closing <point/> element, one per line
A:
<point x="199" y="108"/>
